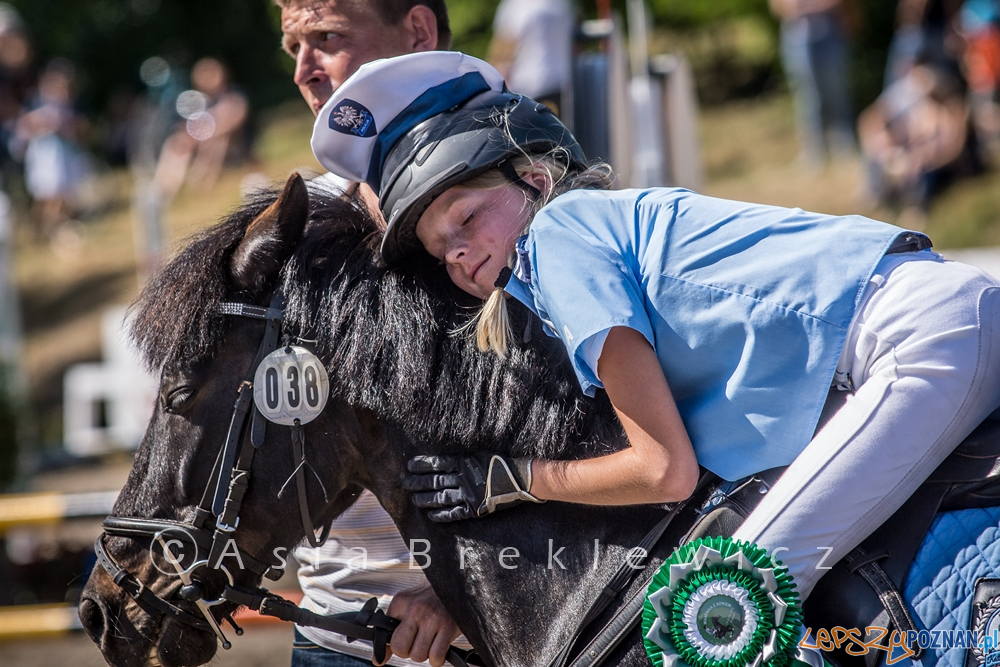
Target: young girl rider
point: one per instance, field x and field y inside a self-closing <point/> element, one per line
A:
<point x="717" y="328"/>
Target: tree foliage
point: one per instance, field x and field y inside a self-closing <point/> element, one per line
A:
<point x="698" y="13"/>
<point x="109" y="39"/>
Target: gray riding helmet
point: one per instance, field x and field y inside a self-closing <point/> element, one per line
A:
<point x="459" y="144"/>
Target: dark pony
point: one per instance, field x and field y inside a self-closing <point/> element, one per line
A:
<point x="402" y="383"/>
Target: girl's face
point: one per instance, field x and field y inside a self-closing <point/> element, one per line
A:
<point x="474" y="232"/>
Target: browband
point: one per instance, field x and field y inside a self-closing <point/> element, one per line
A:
<point x="246" y="310"/>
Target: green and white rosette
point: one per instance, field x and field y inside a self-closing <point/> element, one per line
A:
<point x="717" y="602"/>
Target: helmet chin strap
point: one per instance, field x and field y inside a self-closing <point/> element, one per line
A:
<point x="507" y="169"/>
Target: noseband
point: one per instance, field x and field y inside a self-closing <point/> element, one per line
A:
<point x="217" y="515"/>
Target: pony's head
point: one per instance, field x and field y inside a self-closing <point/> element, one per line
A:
<point x="203" y="355"/>
<point x="398" y="375"/>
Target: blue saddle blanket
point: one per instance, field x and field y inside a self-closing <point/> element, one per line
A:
<point x="960" y="548"/>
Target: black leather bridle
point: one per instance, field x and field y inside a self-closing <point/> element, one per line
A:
<point x="217" y="515"/>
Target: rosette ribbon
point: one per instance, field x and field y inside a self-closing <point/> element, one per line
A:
<point x="718" y="602"/>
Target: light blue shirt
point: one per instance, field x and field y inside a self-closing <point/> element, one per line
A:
<point x="747" y="306"/>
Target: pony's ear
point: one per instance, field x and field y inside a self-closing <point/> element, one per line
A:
<point x="271" y="238"/>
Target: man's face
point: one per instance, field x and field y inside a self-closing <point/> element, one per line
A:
<point x="331" y="39"/>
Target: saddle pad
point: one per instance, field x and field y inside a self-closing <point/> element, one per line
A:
<point x="959" y="548"/>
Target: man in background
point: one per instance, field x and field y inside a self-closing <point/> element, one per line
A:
<point x="365" y="555"/>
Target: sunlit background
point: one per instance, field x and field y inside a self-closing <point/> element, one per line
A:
<point x="195" y="98"/>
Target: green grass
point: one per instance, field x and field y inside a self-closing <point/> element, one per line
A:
<point x="749" y="150"/>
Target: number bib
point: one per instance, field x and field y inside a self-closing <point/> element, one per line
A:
<point x="291" y="384"/>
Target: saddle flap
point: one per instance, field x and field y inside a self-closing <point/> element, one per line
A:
<point x="976" y="458"/>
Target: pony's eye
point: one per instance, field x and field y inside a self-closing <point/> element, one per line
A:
<point x="179" y="399"/>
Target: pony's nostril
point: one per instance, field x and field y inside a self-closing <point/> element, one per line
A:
<point x="92" y="617"/>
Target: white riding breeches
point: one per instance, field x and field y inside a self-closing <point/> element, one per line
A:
<point x="925" y="364"/>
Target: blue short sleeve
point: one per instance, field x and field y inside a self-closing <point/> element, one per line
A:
<point x="583" y="287"/>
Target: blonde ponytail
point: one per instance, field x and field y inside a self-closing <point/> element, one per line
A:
<point x="493" y="324"/>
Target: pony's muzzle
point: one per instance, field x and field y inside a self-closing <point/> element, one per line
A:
<point x="94" y="617"/>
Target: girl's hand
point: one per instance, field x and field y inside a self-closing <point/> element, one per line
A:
<point x="464" y="487"/>
<point x="659" y="467"/>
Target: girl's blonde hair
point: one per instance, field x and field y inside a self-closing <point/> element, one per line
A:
<point x="492" y="323"/>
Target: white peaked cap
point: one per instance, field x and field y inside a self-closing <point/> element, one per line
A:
<point x="384" y="99"/>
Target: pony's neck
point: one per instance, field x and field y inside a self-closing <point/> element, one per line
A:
<point x="520" y="581"/>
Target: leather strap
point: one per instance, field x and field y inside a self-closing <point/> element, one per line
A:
<point x="865" y="564"/>
<point x="255" y="312"/>
<point x="234" y="477"/>
<point x="909" y="242"/>
<point x="622" y="623"/>
<point x="622" y="578"/>
<point x="369" y="624"/>
<point x="299" y="453"/>
<point x="244" y="401"/>
<point x="147" y="600"/>
<point x="148" y="528"/>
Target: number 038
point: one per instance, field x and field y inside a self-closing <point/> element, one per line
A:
<point x="291" y="384"/>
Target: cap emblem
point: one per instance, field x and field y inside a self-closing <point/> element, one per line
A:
<point x="350" y="117"/>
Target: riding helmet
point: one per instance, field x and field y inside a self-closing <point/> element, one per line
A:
<point x="457" y="145"/>
<point x="415" y="125"/>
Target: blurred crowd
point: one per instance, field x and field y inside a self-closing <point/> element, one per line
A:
<point x="937" y="117"/>
<point x="181" y="129"/>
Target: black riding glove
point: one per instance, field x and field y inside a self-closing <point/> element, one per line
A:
<point x="463" y="487"/>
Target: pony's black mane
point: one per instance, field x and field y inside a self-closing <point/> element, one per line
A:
<point x="386" y="337"/>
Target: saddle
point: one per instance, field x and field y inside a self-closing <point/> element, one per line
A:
<point x="861" y="590"/>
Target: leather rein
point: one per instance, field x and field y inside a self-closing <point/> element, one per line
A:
<point x="217" y="517"/>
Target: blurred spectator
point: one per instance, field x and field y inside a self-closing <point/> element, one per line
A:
<point x="214" y="114"/>
<point x="979" y="22"/>
<point x="16" y="76"/>
<point x="814" y="54"/>
<point x="533" y="46"/>
<point x="924" y="28"/>
<point x="915" y="137"/>
<point x="48" y="132"/>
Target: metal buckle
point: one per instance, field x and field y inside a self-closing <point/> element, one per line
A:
<point x="225" y="528"/>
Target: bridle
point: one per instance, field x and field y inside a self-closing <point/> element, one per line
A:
<point x="217" y="515"/>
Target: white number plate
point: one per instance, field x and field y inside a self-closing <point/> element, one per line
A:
<point x="291" y="384"/>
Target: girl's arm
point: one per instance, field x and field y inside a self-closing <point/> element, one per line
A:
<point x="660" y="465"/>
